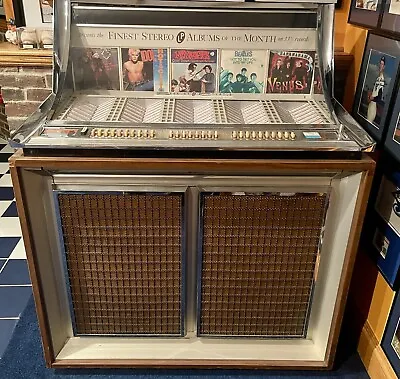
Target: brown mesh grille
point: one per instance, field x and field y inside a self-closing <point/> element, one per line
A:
<point x="123" y="254"/>
<point x="258" y="262"/>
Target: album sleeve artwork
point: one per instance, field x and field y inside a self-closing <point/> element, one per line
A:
<point x="394" y="7"/>
<point x="145" y="69"/>
<point x="380" y="71"/>
<point x="95" y="68"/>
<point x="242" y="71"/>
<point x="193" y="71"/>
<point x="290" y="72"/>
<point x="369" y="5"/>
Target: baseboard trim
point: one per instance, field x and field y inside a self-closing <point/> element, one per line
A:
<point x="372" y="355"/>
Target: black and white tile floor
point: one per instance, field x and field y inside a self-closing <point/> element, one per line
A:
<point x="15" y="285"/>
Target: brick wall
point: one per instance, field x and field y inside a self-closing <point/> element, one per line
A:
<point x="23" y="90"/>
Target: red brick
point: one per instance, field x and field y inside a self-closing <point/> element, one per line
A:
<point x="8" y="69"/>
<point x="13" y="94"/>
<point x="37" y="94"/>
<point x="25" y="81"/>
<point x="20" y="109"/>
<point x="22" y="81"/>
<point x="8" y="80"/>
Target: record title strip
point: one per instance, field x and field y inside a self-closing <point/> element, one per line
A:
<point x="271" y="39"/>
<point x="187" y="17"/>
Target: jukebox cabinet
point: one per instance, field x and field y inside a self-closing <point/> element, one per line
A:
<point x="191" y="195"/>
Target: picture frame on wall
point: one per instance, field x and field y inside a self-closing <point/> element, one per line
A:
<point x="392" y="143"/>
<point x="46" y="10"/>
<point x="391" y="16"/>
<point x="38" y="13"/>
<point x="376" y="84"/>
<point x="365" y="13"/>
<point x="391" y="338"/>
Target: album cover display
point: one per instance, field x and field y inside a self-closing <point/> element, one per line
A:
<point x="242" y="71"/>
<point x="145" y="69"/>
<point x="193" y="71"/>
<point x="290" y="72"/>
<point x="95" y="68"/>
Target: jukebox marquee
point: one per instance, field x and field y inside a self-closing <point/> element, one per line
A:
<point x="202" y="191"/>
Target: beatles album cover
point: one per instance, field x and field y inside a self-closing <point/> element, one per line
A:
<point x="290" y="72"/>
<point x="381" y="70"/>
<point x="369" y="5"/>
<point x="193" y="70"/>
<point x="145" y="69"/>
<point x="242" y="71"/>
<point x="95" y="68"/>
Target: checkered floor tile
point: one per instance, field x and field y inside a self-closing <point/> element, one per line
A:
<point x="15" y="287"/>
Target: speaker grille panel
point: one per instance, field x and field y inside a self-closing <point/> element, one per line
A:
<point x="124" y="262"/>
<point x="259" y="256"/>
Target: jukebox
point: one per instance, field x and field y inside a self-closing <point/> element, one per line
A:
<point x="191" y="194"/>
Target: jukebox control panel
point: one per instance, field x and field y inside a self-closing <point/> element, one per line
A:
<point x="188" y="134"/>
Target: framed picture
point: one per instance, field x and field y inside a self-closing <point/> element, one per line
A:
<point x="46" y="10"/>
<point x="376" y="84"/>
<point x="386" y="220"/>
<point x="38" y="13"/>
<point x="391" y="16"/>
<point x="392" y="142"/>
<point x="365" y="13"/>
<point x="391" y="338"/>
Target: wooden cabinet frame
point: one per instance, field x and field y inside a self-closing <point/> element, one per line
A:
<point x="25" y="169"/>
